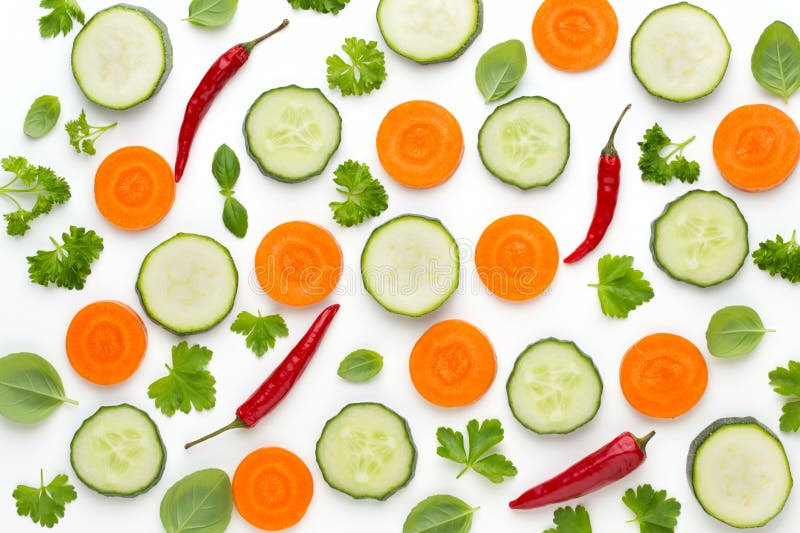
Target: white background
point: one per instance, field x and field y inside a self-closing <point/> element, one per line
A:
<point x="35" y="318"/>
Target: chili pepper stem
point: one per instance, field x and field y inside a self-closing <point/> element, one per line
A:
<point x="236" y="424"/>
<point x="609" y="148"/>
<point x="249" y="45"/>
<point x="644" y="440"/>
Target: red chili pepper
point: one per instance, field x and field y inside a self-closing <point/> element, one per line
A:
<point x="281" y="380"/>
<point x="212" y="83"/>
<point x="613" y="461"/>
<point x="608" y="170"/>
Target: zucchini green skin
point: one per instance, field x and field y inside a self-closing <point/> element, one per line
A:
<point x="441" y="59"/>
<point x="514" y="370"/>
<point x="165" y="42"/>
<point x="155" y="480"/>
<point x="267" y="172"/>
<point x="654" y="232"/>
<point x="412" y="467"/>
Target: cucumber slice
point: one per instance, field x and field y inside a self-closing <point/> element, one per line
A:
<point x="118" y="451"/>
<point x="122" y="56"/>
<point x="700" y="238"/>
<point x="554" y="387"/>
<point x="410" y="265"/>
<point x="291" y="133"/>
<point x="525" y="142"/>
<point x="680" y="52"/>
<point x="187" y="284"/>
<point x="739" y="472"/>
<point x="430" y="32"/>
<point x="366" y="451"/>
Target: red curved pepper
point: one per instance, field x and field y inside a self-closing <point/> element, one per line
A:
<point x="207" y="90"/>
<point x="281" y="380"/>
<point x="608" y="170"/>
<point x="610" y="463"/>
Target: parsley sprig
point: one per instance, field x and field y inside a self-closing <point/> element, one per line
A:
<point x="188" y="383"/>
<point x="83" y="135"/>
<point x="660" y="169"/>
<point x="60" y="18"/>
<point x="482" y="438"/>
<point x="569" y="520"/>
<point x="69" y="263"/>
<point x="260" y="331"/>
<point x="45" y="504"/>
<point x="654" y="512"/>
<point x="780" y="257"/>
<point x="786" y="382"/>
<point x="28" y="179"/>
<point x="621" y="288"/>
<point x="365" y="71"/>
<point x="366" y="197"/>
<point x="322" y="6"/>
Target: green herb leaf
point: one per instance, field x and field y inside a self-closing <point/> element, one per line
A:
<point x="569" y="520"/>
<point x="45" y="504"/>
<point x="734" y="331"/>
<point x="776" y="60"/>
<point x="49" y="189"/>
<point x="440" y="514"/>
<point x="234" y="216"/>
<point x="365" y="71"/>
<point x="42" y="116"/>
<point x="452" y="445"/>
<point x="199" y="503"/>
<point x="779" y="257"/>
<point x="660" y="169"/>
<point x="211" y="13"/>
<point x="653" y="510"/>
<point x="83" y="135"/>
<point x="225" y="167"/>
<point x="360" y="366"/>
<point x="482" y="438"/>
<point x="322" y="6"/>
<point x="60" y="18"/>
<point x="366" y="197"/>
<point x="500" y="69"/>
<point x="495" y="468"/>
<point x="621" y="288"/>
<point x="69" y="264"/>
<point x="261" y="331"/>
<point x="30" y="388"/>
<point x="786" y="382"/>
<point x="188" y="384"/>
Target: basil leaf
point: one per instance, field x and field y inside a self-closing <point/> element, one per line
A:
<point x="500" y="69"/>
<point x="734" y="331"/>
<point x="360" y="366"/>
<point x="234" y="215"/>
<point x="42" y="116"/>
<point x="211" y="13"/>
<point x="200" y="503"/>
<point x="30" y="388"/>
<point x="225" y="167"/>
<point x="776" y="60"/>
<point x="440" y="514"/>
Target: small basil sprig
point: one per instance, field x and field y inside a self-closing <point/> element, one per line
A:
<point x="225" y="168"/>
<point x="500" y="69"/>
<point x="211" y="13"/>
<point x="360" y="366"/>
<point x="734" y="331"/>
<point x="42" y="116"/>
<point x="30" y="388"/>
<point x="440" y="514"/>
<point x="199" y="503"/>
<point x="776" y="60"/>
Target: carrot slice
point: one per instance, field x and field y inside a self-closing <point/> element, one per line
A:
<point x="106" y="341"/>
<point x="298" y="263"/>
<point x="575" y="35"/>
<point x="134" y="188"/>
<point x="453" y="364"/>
<point x="420" y="144"/>
<point x="663" y="375"/>
<point x="272" y="488"/>
<point x="516" y="257"/>
<point x="756" y="147"/>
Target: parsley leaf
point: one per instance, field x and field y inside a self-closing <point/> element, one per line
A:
<point x="365" y="71"/>
<point x="366" y="197"/>
<point x="660" y="169"/>
<point x="188" y="383"/>
<point x="83" y="135"/>
<point x="654" y="511"/>
<point x="779" y="257"/>
<point x="69" y="264"/>
<point x="621" y="288"/>
<point x="261" y="331"/>
<point x="569" y="520"/>
<point x="45" y="504"/>
<point x="49" y="189"/>
<point x="786" y="382"/>
<point x="323" y="6"/>
<point x="59" y="20"/>
<point x="482" y="438"/>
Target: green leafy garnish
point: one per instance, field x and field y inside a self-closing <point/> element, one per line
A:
<point x="365" y="71"/>
<point x="45" y="504"/>
<point x="786" y="382"/>
<point x="261" y="331"/>
<point x="734" y="330"/>
<point x="199" y="503"/>
<point x="482" y="438"/>
<point x="500" y="69"/>
<point x="83" y="135"/>
<point x="569" y="520"/>
<point x="211" y="13"/>
<point x="654" y="511"/>
<point x="322" y="6"/>
<point x="779" y="257"/>
<point x="366" y="197"/>
<point x="621" y="288"/>
<point x="188" y="383"/>
<point x="660" y="169"/>
<point x="30" y="388"/>
<point x="59" y="20"/>
<point x="360" y="366"/>
<point x="42" y="116"/>
<point x="776" y="60"/>
<point x="49" y="190"/>
<point x="69" y="264"/>
<point x="226" y="168"/>
<point x="441" y="513"/>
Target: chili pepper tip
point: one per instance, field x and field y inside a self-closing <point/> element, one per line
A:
<point x="249" y="45"/>
<point x="644" y="440"/>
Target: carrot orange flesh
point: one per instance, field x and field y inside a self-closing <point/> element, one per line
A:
<point x="106" y="342"/>
<point x="420" y="144"/>
<point x="298" y="263"/>
<point x="272" y="489"/>
<point x="516" y="257"/>
<point x="134" y="188"/>
<point x="663" y="375"/>
<point x="756" y="147"/>
<point x="453" y="364"/>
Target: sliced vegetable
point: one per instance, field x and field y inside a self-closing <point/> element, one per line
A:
<point x="30" y="388"/>
<point x="652" y="509"/>
<point x="569" y="520"/>
<point x="482" y="438"/>
<point x="360" y="366"/>
<point x="321" y="6"/>
<point x="212" y="13"/>
<point x="366" y="197"/>
<point x="61" y="16"/>
<point x="83" y="135"/>
<point x="779" y="257"/>
<point x="225" y="168"/>
<point x="786" y="382"/>
<point x="45" y="504"/>
<point x="260" y="331"/>
<point x="364" y="72"/>
<point x="441" y="513"/>
<point x="198" y="503"/>
<point x="734" y="331"/>
<point x="69" y="264"/>
<point x="188" y="384"/>
<point x="659" y="169"/>
<point x="49" y="189"/>
<point x="42" y="116"/>
<point x="500" y="69"/>
<point x="621" y="288"/>
<point x="776" y="60"/>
